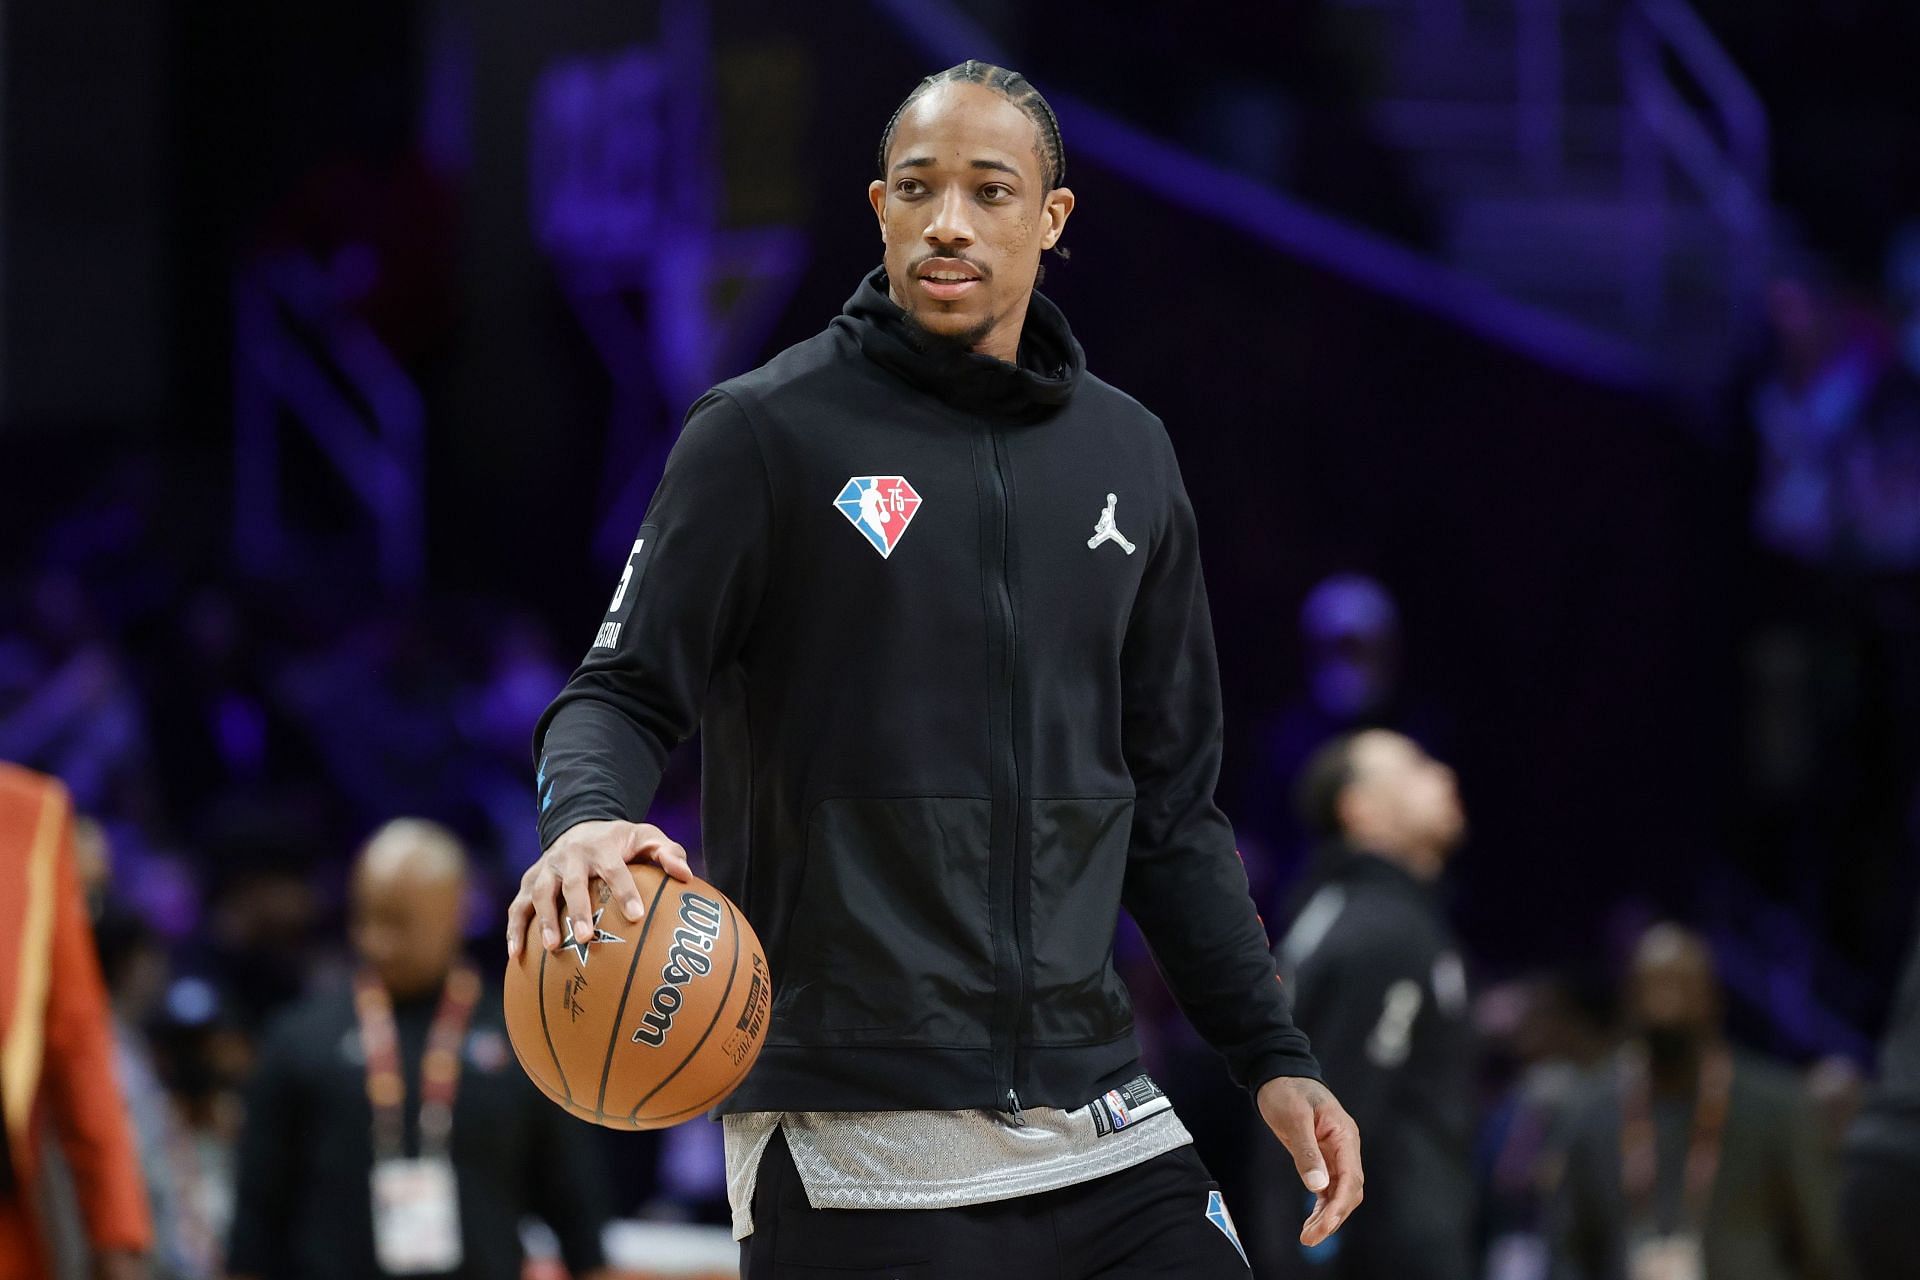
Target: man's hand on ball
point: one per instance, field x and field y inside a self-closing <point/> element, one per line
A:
<point x="558" y="883"/>
<point x="1325" y="1144"/>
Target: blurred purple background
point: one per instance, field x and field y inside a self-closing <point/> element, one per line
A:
<point x="340" y="347"/>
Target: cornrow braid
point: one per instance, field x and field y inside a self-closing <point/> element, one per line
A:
<point x="1012" y="86"/>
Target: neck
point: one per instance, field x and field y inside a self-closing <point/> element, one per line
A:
<point x="1423" y="862"/>
<point x="1426" y="863"/>
<point x="1003" y="341"/>
<point x="1679" y="1075"/>
<point x="417" y="991"/>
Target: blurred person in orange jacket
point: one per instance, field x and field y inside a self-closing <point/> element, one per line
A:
<point x="56" y="1045"/>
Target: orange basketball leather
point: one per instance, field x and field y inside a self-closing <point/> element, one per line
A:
<point x="649" y="1024"/>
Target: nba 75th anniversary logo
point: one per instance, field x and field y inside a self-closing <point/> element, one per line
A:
<point x="880" y="507"/>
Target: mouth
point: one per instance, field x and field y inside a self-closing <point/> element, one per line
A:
<point x="947" y="281"/>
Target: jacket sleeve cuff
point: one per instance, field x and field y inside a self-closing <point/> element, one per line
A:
<point x="1273" y="1064"/>
<point x="575" y="810"/>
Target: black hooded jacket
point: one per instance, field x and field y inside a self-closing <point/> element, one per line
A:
<point x="949" y="728"/>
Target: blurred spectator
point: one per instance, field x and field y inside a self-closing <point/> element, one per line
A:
<point x="1556" y="1032"/>
<point x="459" y="1145"/>
<point x="134" y="966"/>
<point x="1838" y="427"/>
<point x="1836" y="1088"/>
<point x="1379" y="986"/>
<point x="1833" y="669"/>
<point x="1350" y="631"/>
<point x="58" y="1045"/>
<point x="1881" y="1205"/>
<point x="260" y="931"/>
<point x="1352" y="628"/>
<point x="203" y="1057"/>
<point x="1694" y="1161"/>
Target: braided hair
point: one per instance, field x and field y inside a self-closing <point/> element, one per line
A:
<point x="1012" y="86"/>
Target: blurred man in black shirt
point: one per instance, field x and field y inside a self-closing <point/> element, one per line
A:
<point x="1379" y="987"/>
<point x="389" y="1130"/>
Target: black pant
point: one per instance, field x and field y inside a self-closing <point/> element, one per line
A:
<point x="1877" y="1212"/>
<point x="1150" y="1220"/>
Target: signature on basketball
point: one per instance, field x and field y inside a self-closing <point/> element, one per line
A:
<point x="688" y="959"/>
<point x="570" y="996"/>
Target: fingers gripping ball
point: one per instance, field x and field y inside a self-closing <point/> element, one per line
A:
<point x="647" y="1024"/>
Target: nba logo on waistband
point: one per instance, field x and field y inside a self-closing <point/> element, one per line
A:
<point x="880" y="507"/>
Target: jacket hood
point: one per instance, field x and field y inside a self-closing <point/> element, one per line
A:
<point x="1050" y="360"/>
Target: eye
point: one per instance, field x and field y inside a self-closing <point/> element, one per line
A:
<point x="909" y="186"/>
<point x="996" y="191"/>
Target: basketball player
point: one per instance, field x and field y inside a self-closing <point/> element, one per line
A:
<point x="1378" y="982"/>
<point x="1104" y="529"/>
<point x="872" y="513"/>
<point x="934" y="775"/>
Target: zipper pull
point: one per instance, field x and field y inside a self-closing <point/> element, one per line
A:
<point x="1013" y="1109"/>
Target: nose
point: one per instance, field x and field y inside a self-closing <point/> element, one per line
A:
<point x="949" y="227"/>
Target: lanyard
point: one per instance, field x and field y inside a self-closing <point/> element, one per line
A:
<point x="1639" y="1159"/>
<point x="439" y="1068"/>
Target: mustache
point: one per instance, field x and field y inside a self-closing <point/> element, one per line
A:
<point x="920" y="262"/>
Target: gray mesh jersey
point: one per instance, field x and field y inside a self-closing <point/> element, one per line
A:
<point x="946" y="1159"/>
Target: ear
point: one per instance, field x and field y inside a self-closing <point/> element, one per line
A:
<point x="877" y="197"/>
<point x="1350" y="810"/>
<point x="1058" y="208"/>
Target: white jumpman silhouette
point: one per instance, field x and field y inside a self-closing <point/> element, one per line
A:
<point x="1104" y="530"/>
<point x="872" y="513"/>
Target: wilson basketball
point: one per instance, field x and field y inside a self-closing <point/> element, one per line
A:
<point x="648" y="1024"/>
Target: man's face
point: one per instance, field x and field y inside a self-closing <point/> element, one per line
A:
<point x="406" y="927"/>
<point x="1404" y="794"/>
<point x="1673" y="993"/>
<point x="965" y="214"/>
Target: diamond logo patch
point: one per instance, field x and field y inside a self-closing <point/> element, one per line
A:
<point x="1217" y="1214"/>
<point x="880" y="507"/>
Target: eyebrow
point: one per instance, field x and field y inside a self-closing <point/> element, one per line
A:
<point x="925" y="162"/>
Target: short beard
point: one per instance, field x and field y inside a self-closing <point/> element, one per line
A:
<point x="933" y="343"/>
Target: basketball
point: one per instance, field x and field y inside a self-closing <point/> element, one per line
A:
<point x="648" y="1024"/>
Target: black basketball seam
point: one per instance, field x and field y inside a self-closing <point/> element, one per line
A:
<point x="732" y="971"/>
<point x="619" y="1012"/>
<point x="724" y="1091"/>
<point x="660" y="1122"/>
<point x="547" y="1032"/>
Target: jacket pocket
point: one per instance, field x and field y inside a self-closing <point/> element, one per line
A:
<point x="1079" y="846"/>
<point x="890" y="939"/>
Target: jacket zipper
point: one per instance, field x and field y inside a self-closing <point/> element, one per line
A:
<point x="1010" y="942"/>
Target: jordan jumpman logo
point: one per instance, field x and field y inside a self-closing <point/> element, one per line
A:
<point x="1104" y="530"/>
